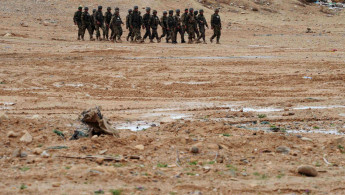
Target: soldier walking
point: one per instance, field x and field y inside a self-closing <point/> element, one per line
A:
<point x="184" y="22"/>
<point x="121" y="30"/>
<point x="86" y="23"/>
<point x="202" y="23"/>
<point x="116" y="23"/>
<point x="146" y="24"/>
<point x="164" y="25"/>
<point x="99" y="23"/>
<point x="196" y="30"/>
<point x="93" y="21"/>
<point x="128" y="26"/>
<point x="107" y="17"/>
<point x="171" y="27"/>
<point x="179" y="27"/>
<point x="77" y="21"/>
<point x="216" y="25"/>
<point x="154" y="22"/>
<point x="136" y="22"/>
<point x="190" y="25"/>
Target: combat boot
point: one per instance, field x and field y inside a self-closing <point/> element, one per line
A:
<point x="151" y="41"/>
<point x="159" y="40"/>
<point x="78" y="37"/>
<point x="127" y="38"/>
<point x="183" y="41"/>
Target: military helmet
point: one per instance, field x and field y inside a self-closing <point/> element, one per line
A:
<point x="80" y="7"/>
<point x="86" y="8"/>
<point x="148" y="9"/>
<point x="165" y="12"/>
<point x="201" y="10"/>
<point x="130" y="10"/>
<point x="171" y="11"/>
<point x="108" y="8"/>
<point x="178" y="11"/>
<point x="154" y="11"/>
<point x="191" y="9"/>
<point x="186" y="9"/>
<point x="136" y="7"/>
<point x="117" y="8"/>
<point x="196" y="12"/>
<point x="94" y="10"/>
<point x="100" y="7"/>
<point x="217" y="10"/>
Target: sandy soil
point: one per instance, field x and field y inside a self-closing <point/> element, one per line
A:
<point x="269" y="84"/>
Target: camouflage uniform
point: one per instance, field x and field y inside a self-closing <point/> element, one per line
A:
<point x="196" y="30"/>
<point x="128" y="25"/>
<point x="99" y="23"/>
<point x="172" y="26"/>
<point x="116" y="23"/>
<point x="93" y="21"/>
<point x="77" y="21"/>
<point x="179" y="27"/>
<point x="146" y="24"/>
<point x="136" y="22"/>
<point x="120" y="27"/>
<point x="107" y="17"/>
<point x="184" y="22"/>
<point x="164" y="25"/>
<point x="154" y="22"/>
<point x="202" y="23"/>
<point x="190" y="26"/>
<point x="216" y="25"/>
<point x="86" y="23"/>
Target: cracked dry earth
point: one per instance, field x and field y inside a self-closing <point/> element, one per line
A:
<point x="238" y="103"/>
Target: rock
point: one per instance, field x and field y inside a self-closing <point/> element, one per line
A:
<point x="45" y="154"/>
<point x="24" y="24"/>
<point x="103" y="151"/>
<point x="140" y="147"/>
<point x="45" y="23"/>
<point x="306" y="139"/>
<point x="12" y="134"/>
<point x="206" y="169"/>
<point x="56" y="185"/>
<point x="307" y="170"/>
<point x="213" y="146"/>
<point x="8" y="35"/>
<point x="37" y="151"/>
<point x="27" y="138"/>
<point x="16" y="152"/>
<point x="100" y="160"/>
<point x="94" y="137"/>
<point x="283" y="149"/>
<point x="194" y="150"/>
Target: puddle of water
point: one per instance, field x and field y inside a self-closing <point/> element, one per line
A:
<point x="258" y="109"/>
<point x="188" y="83"/>
<point x="202" y="57"/>
<point x="305" y="77"/>
<point x="174" y="116"/>
<point x="134" y="126"/>
<point x="330" y="132"/>
<point x="264" y="46"/>
<point x="318" y="107"/>
<point x="7" y="103"/>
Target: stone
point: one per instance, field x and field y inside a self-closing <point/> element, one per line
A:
<point x="103" y="151"/>
<point x="306" y="139"/>
<point x="16" y="152"/>
<point x="8" y="35"/>
<point x="27" y="138"/>
<point x="56" y="185"/>
<point x="206" y="169"/>
<point x="283" y="149"/>
<point x="307" y="170"/>
<point x="213" y="146"/>
<point x="194" y="150"/>
<point x="99" y="161"/>
<point x="94" y="137"/>
<point x="24" y="24"/>
<point x="37" y="151"/>
<point x="12" y="134"/>
<point x="140" y="147"/>
<point x="45" y="154"/>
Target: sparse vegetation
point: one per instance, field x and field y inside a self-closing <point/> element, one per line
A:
<point x="193" y="162"/>
<point x="23" y="187"/>
<point x="25" y="169"/>
<point x="262" y="115"/>
<point x="115" y="192"/>
<point x="161" y="165"/>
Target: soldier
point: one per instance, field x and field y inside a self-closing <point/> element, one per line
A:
<point x="179" y="27"/>
<point x="116" y="23"/>
<point x="171" y="27"/>
<point x="164" y="25"/>
<point x="77" y="21"/>
<point x="196" y="30"/>
<point x="99" y="23"/>
<point x="93" y="21"/>
<point x="86" y="23"/>
<point x="202" y="23"/>
<point x="121" y="30"/>
<point x="190" y="21"/>
<point x="154" y="22"/>
<point x="136" y="22"/>
<point x="216" y="25"/>
<point x="184" y="22"/>
<point x="128" y="26"/>
<point x="107" y="18"/>
<point x="146" y="24"/>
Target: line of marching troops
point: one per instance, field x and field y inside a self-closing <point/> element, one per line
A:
<point x="191" y="22"/>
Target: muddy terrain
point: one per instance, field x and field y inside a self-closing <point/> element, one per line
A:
<point x="234" y="118"/>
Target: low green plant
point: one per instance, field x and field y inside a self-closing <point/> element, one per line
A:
<point x="115" y="191"/>
<point x="280" y="175"/>
<point x="161" y="165"/>
<point x="262" y="115"/>
<point x="193" y="162"/>
<point x="25" y="169"/>
<point x="226" y="135"/>
<point x="23" y="187"/>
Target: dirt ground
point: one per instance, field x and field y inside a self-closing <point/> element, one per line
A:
<point x="268" y="99"/>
